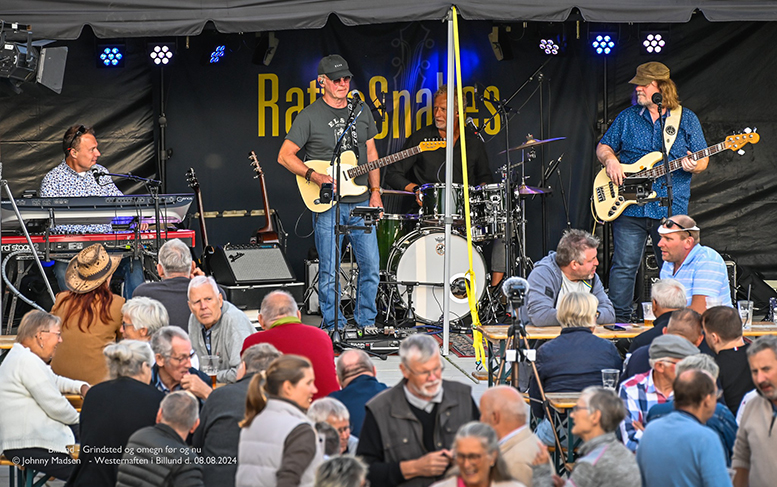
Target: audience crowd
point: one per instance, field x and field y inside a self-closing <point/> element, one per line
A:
<point x="695" y="404"/>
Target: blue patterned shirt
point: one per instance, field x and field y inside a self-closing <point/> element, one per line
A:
<point x="64" y="181"/>
<point x="639" y="394"/>
<point x="633" y="135"/>
<point x="702" y="273"/>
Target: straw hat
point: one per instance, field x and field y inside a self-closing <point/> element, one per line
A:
<point x="89" y="269"/>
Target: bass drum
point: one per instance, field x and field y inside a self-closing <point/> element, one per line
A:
<point x="390" y="229"/>
<point x="419" y="258"/>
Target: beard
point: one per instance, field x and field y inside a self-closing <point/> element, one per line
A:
<point x="428" y="389"/>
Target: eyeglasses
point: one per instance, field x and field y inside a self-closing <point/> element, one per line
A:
<point x="343" y="80"/>
<point x="127" y="325"/>
<point x="58" y="333"/>
<point x="670" y="362"/>
<point x="437" y="371"/>
<point x="344" y="429"/>
<point x="578" y="407"/>
<point x="81" y="131"/>
<point x="464" y="458"/>
<point x="182" y="359"/>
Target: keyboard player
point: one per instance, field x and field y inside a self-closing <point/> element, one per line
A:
<point x="72" y="177"/>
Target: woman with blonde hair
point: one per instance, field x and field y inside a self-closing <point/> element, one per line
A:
<point x="36" y="419"/>
<point x="575" y="359"/>
<point x="90" y="313"/>
<point x="278" y="444"/>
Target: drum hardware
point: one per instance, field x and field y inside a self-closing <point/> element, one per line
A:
<point x="532" y="143"/>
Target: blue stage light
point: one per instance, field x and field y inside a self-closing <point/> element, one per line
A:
<point x="110" y="56"/>
<point x="217" y="54"/>
<point x="603" y="43"/>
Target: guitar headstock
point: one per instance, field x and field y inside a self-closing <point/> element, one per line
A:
<point x="428" y="145"/>
<point x="255" y="164"/>
<point x="191" y="179"/>
<point x="737" y="141"/>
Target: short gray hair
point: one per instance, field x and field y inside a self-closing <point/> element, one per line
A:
<point x="198" y="281"/>
<point x="577" y="309"/>
<point x="669" y="293"/>
<point x="573" y="245"/>
<point x="278" y="304"/>
<point x="321" y="409"/>
<point x="258" y="357"/>
<point x="607" y="402"/>
<point x="180" y="410"/>
<point x="700" y="361"/>
<point x="765" y="342"/>
<point x="361" y="365"/>
<point x="490" y="441"/>
<point x="419" y="347"/>
<point x="126" y="358"/>
<point x="342" y="471"/>
<point x="175" y="257"/>
<point x="162" y="340"/>
<point x="34" y="322"/>
<point x="146" y="313"/>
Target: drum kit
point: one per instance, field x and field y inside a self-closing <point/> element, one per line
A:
<point x="412" y="249"/>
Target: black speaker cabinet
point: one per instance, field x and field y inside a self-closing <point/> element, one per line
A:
<point x="240" y="265"/>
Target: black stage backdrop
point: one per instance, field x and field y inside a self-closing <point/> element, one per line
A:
<point x="216" y="114"/>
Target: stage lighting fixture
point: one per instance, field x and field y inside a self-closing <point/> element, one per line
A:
<point x="266" y="47"/>
<point x="550" y="47"/>
<point x="654" y="42"/>
<point x="217" y="53"/>
<point x="23" y="62"/>
<point x="110" y="55"/>
<point x="603" y="43"/>
<point x="161" y="53"/>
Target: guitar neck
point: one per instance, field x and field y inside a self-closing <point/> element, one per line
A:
<point x="268" y="228"/>
<point x="203" y="231"/>
<point x="660" y="169"/>
<point x="363" y="169"/>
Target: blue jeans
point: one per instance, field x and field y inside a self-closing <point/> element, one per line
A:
<point x="365" y="248"/>
<point x="629" y="235"/>
<point x="130" y="270"/>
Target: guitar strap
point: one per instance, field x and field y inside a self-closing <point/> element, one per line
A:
<point x="671" y="126"/>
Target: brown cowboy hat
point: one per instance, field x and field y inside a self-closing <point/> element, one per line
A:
<point x="89" y="269"/>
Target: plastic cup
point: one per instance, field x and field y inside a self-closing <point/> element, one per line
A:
<point x="610" y="378"/>
<point x="647" y="313"/>
<point x="746" y="313"/>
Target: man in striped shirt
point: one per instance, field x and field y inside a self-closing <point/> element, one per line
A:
<point x="700" y="269"/>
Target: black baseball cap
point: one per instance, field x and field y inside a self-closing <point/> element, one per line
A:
<point x="334" y="67"/>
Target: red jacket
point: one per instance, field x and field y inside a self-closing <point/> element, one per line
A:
<point x="301" y="339"/>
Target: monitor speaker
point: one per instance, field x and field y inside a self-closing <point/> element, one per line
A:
<point x="239" y="265"/>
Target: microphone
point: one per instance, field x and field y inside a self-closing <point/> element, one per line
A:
<point x="657" y="98"/>
<point x="97" y="174"/>
<point x="355" y="96"/>
<point x="471" y="124"/>
<point x="515" y="287"/>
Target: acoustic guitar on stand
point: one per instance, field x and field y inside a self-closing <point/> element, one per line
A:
<point x="609" y="200"/>
<point x="268" y="233"/>
<point x="349" y="171"/>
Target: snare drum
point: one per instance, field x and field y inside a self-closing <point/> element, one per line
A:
<point x="487" y="207"/>
<point x="433" y="203"/>
<point x="419" y="258"/>
<point x="390" y="229"/>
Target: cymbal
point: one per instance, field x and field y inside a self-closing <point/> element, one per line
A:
<point x="532" y="143"/>
<point x="524" y="190"/>
<point x="396" y="191"/>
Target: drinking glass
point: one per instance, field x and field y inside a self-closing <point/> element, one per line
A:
<point x="647" y="313"/>
<point x="746" y="313"/>
<point x="610" y="378"/>
<point x="209" y="364"/>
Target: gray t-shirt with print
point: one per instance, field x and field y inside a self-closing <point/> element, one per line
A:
<point x="317" y="128"/>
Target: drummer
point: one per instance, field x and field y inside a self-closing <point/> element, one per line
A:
<point x="429" y="166"/>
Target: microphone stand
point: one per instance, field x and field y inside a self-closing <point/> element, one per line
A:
<point x="153" y="189"/>
<point x="669" y="186"/>
<point x="352" y="117"/>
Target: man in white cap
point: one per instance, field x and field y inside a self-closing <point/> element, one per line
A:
<point x="699" y="269"/>
<point x="635" y="133"/>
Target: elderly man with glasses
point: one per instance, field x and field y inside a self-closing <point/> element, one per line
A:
<point x="644" y="391"/>
<point x="700" y="269"/>
<point x="173" y="369"/>
<point x="408" y="429"/>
